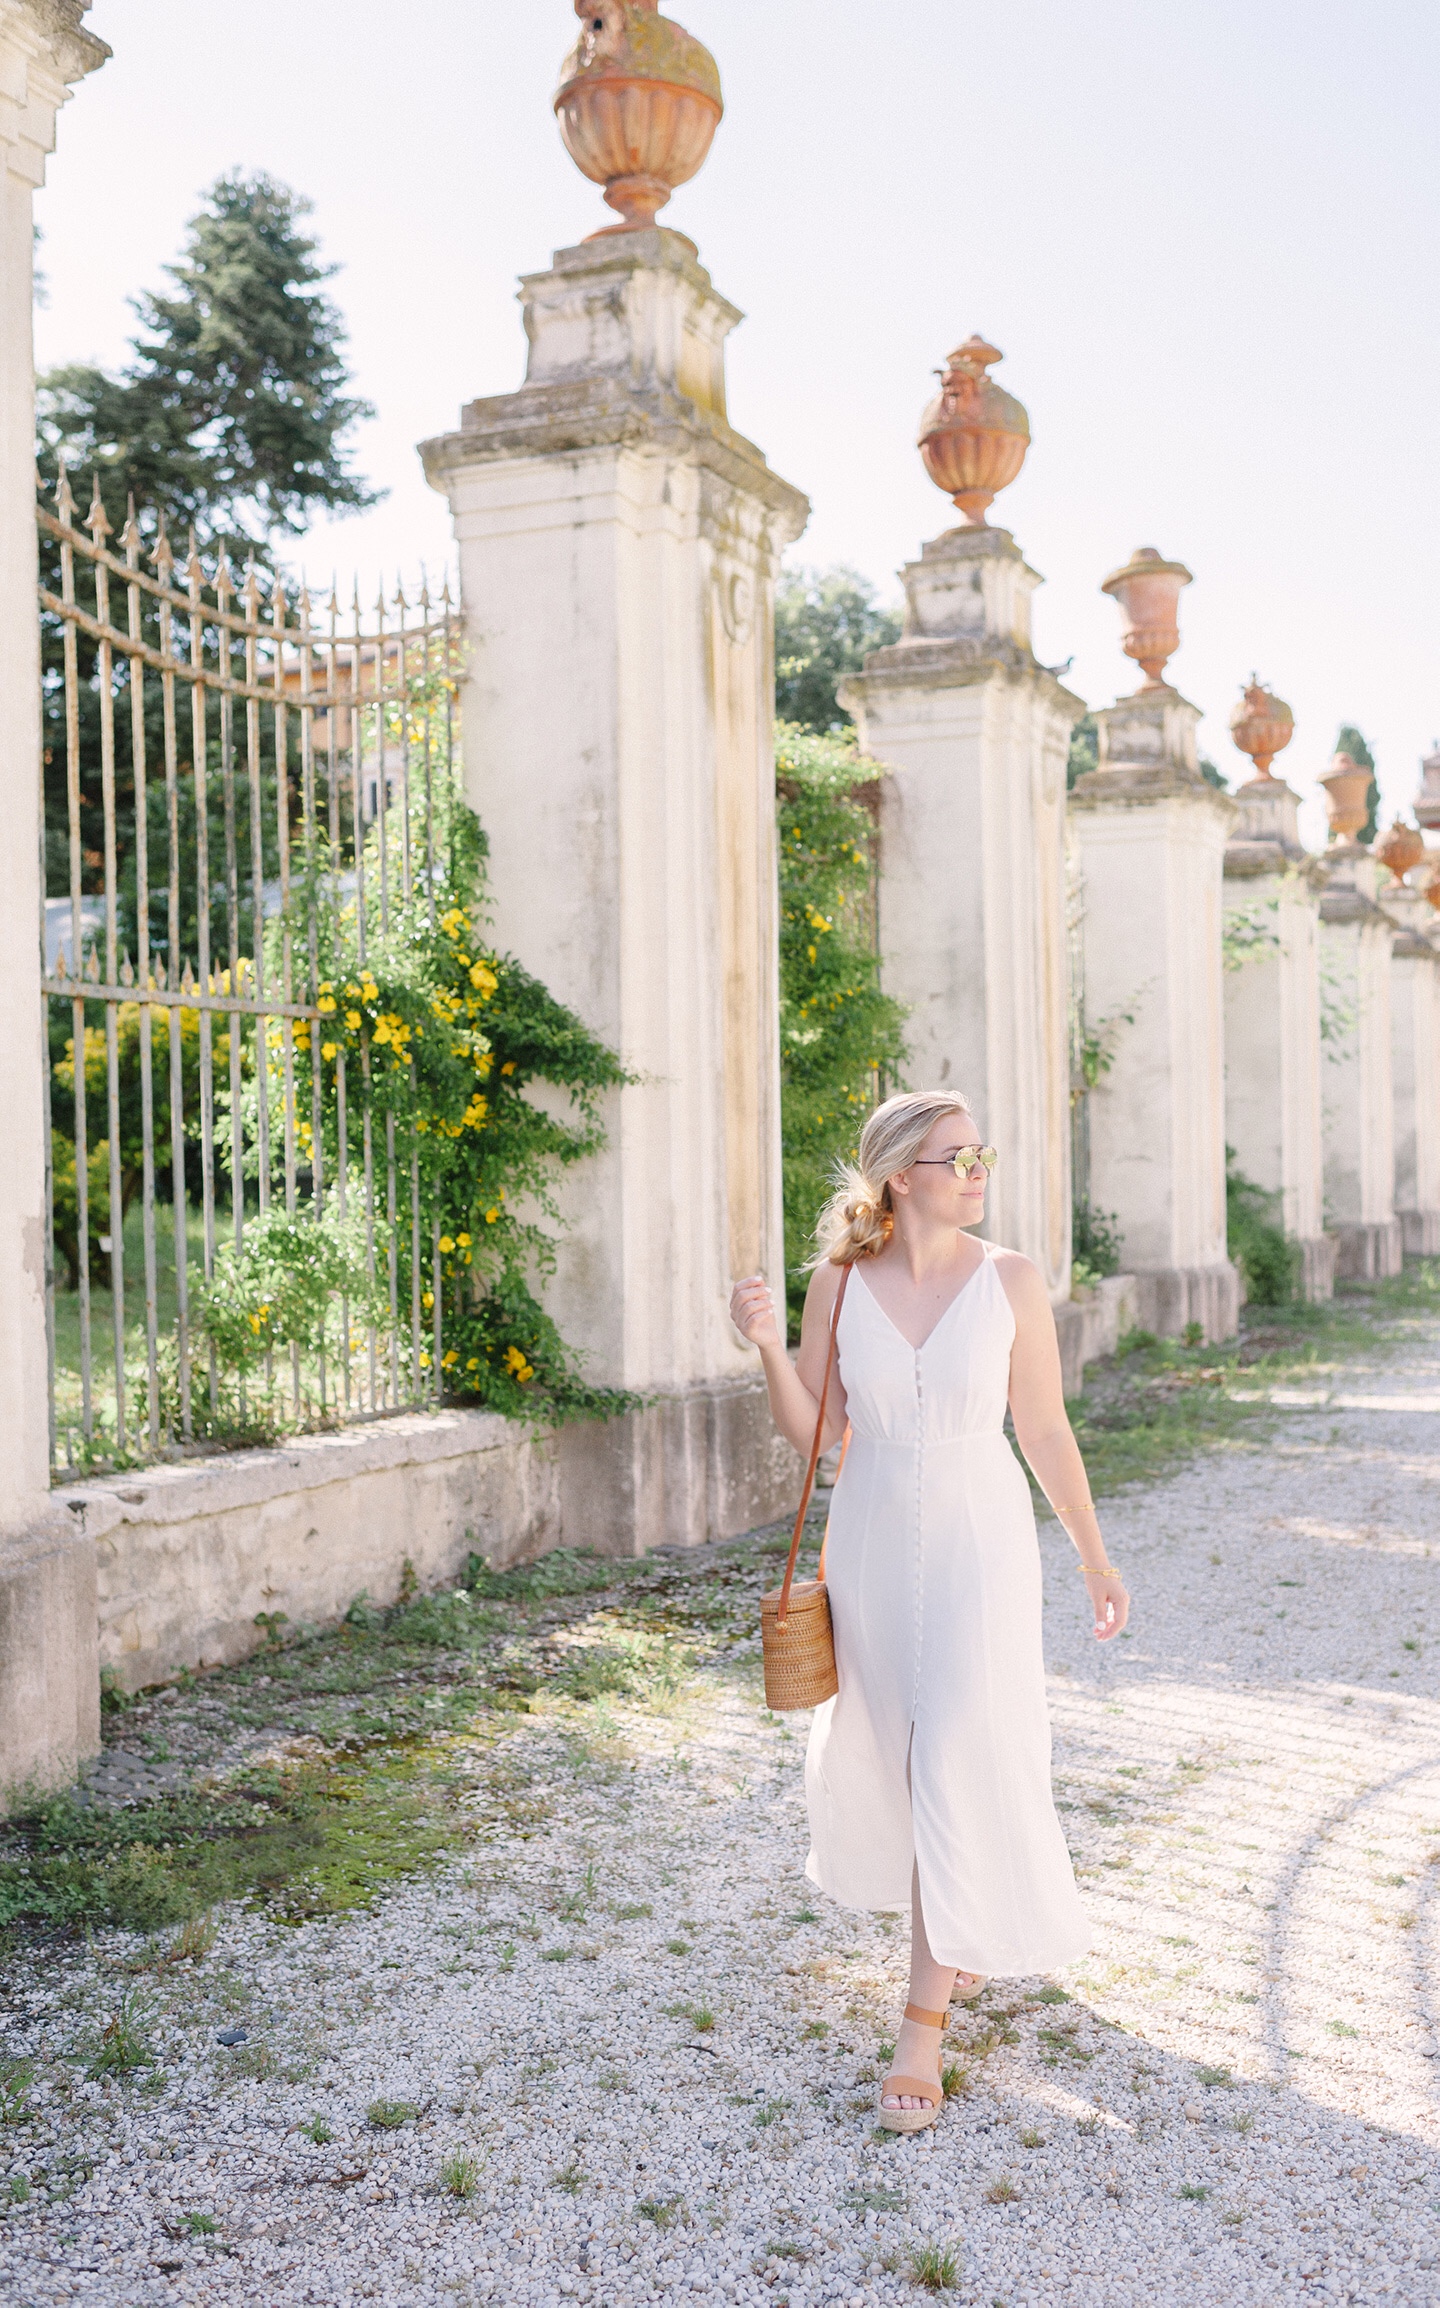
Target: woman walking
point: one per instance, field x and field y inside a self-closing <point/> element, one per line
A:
<point x="928" y="1775"/>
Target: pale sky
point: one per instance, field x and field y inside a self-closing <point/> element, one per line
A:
<point x="1203" y="231"/>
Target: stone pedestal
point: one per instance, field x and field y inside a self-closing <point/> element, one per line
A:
<point x="1415" y="1062"/>
<point x="618" y="545"/>
<point x="1272" y="1020"/>
<point x="1358" y="1073"/>
<point x="972" y="867"/>
<point x="1151" y="838"/>
<point x="49" y="1691"/>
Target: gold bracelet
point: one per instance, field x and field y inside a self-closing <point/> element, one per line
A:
<point x="1099" y="1570"/>
<point x="1087" y="1507"/>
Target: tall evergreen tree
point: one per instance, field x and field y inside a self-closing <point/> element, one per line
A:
<point x="229" y="418"/>
<point x="231" y="411"/>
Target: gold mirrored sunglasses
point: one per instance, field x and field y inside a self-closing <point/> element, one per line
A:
<point x="962" y="1161"/>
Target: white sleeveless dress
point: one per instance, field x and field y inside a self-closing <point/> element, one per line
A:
<point x="936" y="1748"/>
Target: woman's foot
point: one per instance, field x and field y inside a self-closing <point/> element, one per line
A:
<point x="968" y="1985"/>
<point x="911" y="2095"/>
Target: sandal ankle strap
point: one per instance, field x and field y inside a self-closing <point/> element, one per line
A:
<point x="927" y="2019"/>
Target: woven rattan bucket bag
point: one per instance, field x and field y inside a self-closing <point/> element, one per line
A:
<point x="796" y="1635"/>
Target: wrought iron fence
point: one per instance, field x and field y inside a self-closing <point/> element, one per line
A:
<point x="241" y="789"/>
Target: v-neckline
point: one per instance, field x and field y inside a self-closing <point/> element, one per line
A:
<point x="962" y="1292"/>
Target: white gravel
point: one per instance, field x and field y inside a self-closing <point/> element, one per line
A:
<point x="1253" y="1790"/>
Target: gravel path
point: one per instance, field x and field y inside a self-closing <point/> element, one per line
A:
<point x="626" y="2025"/>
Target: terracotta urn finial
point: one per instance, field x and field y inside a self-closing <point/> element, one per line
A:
<point x="1427" y="800"/>
<point x="1262" y="725"/>
<point x="1148" y="591"/>
<point x="1347" y="797"/>
<point x="973" y="435"/>
<point x="1400" y="849"/>
<point x="638" y="105"/>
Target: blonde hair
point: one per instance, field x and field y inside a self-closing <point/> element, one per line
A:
<point x="857" y="1220"/>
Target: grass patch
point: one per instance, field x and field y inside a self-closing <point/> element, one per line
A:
<point x="935" y="2267"/>
<point x="389" y="2115"/>
<point x="1002" y="2191"/>
<point x="1159" y="1402"/>
<point x="17" y="2081"/>
<point x="122" y="2047"/>
<point x="459" y="2175"/>
<point x="661" y="2211"/>
<point x="372" y="1706"/>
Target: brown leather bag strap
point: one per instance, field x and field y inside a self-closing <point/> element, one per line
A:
<point x="814" y="1452"/>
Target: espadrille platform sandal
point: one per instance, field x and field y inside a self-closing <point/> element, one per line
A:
<point x="927" y="2089"/>
<point x="974" y="1983"/>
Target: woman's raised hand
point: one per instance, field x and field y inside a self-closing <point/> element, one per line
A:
<point x="752" y="1310"/>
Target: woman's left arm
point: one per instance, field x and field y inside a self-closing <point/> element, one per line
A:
<point x="1045" y="1435"/>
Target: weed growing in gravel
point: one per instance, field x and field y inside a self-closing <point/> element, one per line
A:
<point x="770" y="2113"/>
<point x="18" y="2188"/>
<point x="17" y="2078"/>
<point x="634" y="1912"/>
<point x="1002" y="2191"/>
<point x="936" y="2267"/>
<point x="1215" y="2078"/>
<point x="389" y="2115"/>
<point x="570" y="2181"/>
<point x="875" y="2200"/>
<point x="663" y="2211"/>
<point x="317" y="2130"/>
<point x="1341" y="2028"/>
<point x="199" y="2224"/>
<point x="954" y="2080"/>
<point x="1088" y="2126"/>
<point x="123" y="2046"/>
<point x="194" y="1940"/>
<point x="459" y="2174"/>
<point x="1192" y="2192"/>
<point x="1032" y="2139"/>
<point x="814" y="2029"/>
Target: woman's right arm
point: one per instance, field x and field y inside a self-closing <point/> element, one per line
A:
<point x="794" y="1387"/>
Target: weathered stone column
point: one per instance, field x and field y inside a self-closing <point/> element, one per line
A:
<point x="976" y="734"/>
<point x="1414" y="1040"/>
<point x="1272" y="995"/>
<point x="1358" y="1075"/>
<point x="1151" y="835"/>
<point x="49" y="1693"/>
<point x="618" y="543"/>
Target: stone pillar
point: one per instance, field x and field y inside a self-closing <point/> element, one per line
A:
<point x="618" y="544"/>
<point x="971" y="906"/>
<point x="49" y="1693"/>
<point x="1356" y="939"/>
<point x="1415" y="1063"/>
<point x="1272" y="1019"/>
<point x="1151" y="838"/>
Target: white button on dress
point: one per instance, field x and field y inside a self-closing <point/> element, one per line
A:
<point x="934" y="1577"/>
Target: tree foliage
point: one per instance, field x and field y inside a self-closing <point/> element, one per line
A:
<point x="826" y="622"/>
<point x="231" y="412"/>
<point x="841" y="1035"/>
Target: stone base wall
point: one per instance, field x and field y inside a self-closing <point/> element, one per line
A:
<point x="1369" y="1252"/>
<point x="1420" y="1232"/>
<point x="1169" y="1298"/>
<point x="1091" y="1326"/>
<point x="1318" y="1253"/>
<point x="185" y="1556"/>
<point x="49" y="1674"/>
